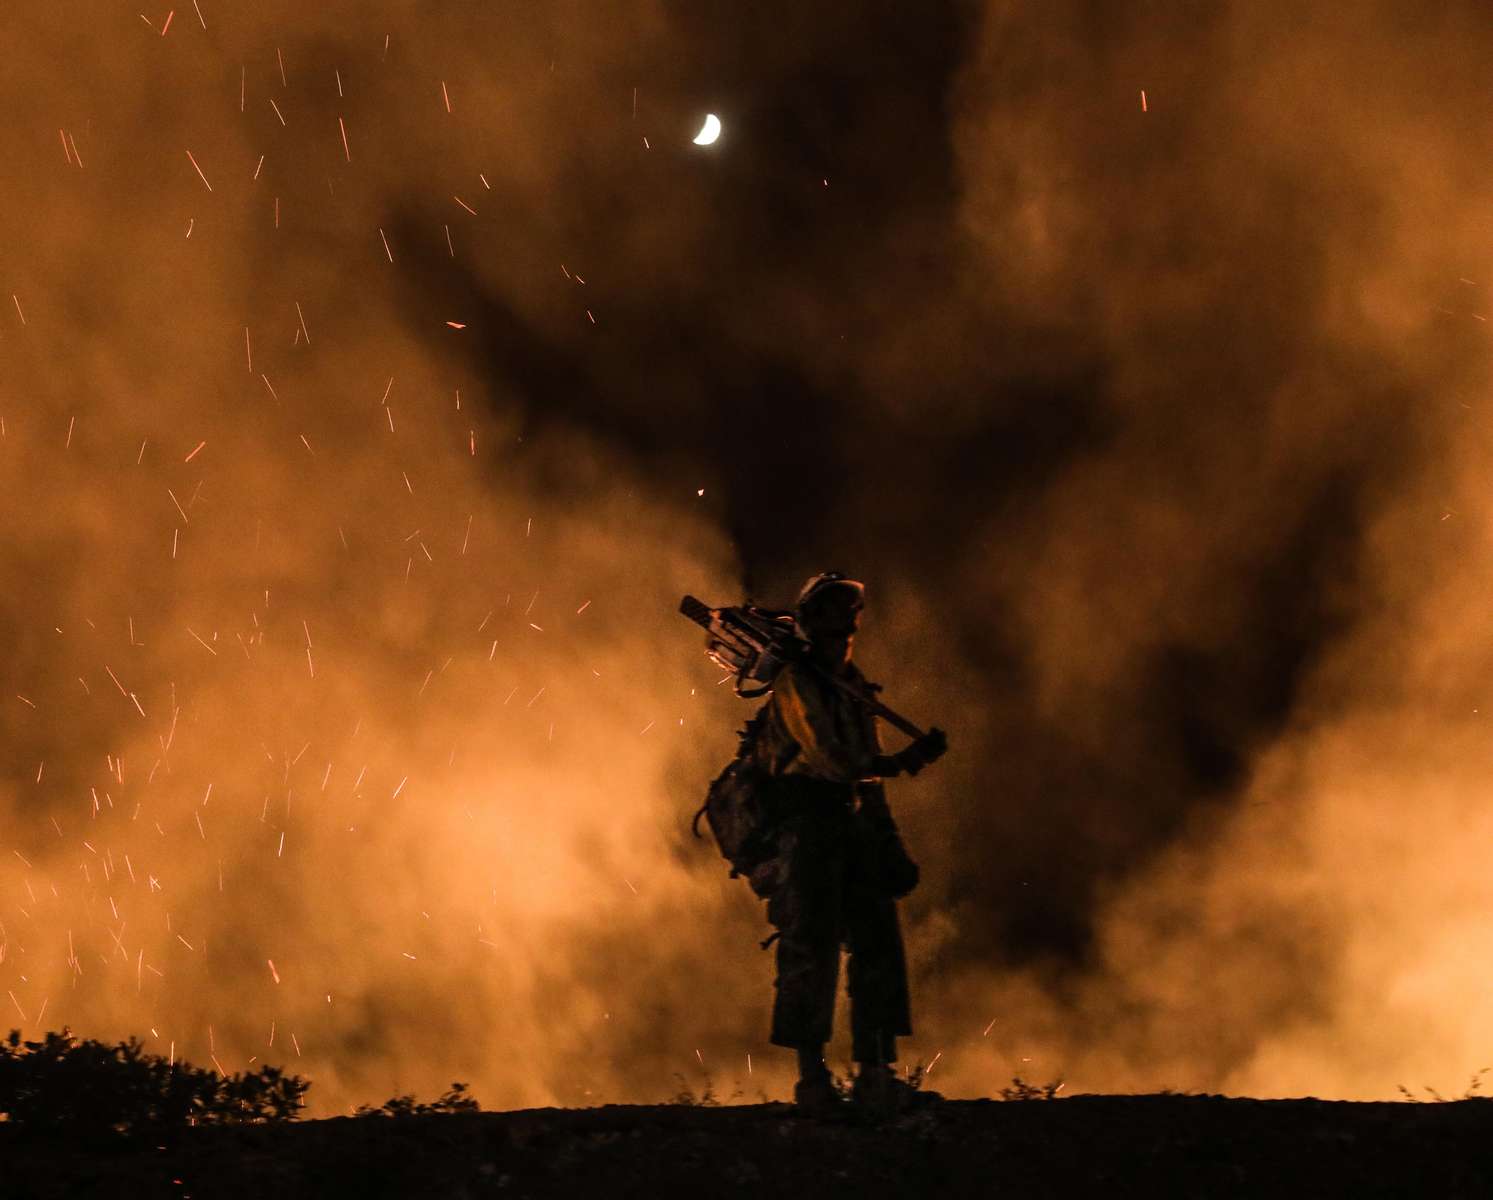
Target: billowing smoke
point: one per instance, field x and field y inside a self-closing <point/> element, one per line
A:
<point x="377" y="381"/>
<point x="349" y="721"/>
<point x="1231" y="806"/>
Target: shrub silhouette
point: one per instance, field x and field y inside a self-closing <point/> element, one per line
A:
<point x="63" y="1086"/>
<point x="1020" y="1089"/>
<point x="455" y="1100"/>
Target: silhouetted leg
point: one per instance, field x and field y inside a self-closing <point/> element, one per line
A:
<point x="811" y="1062"/>
<point x="808" y="912"/>
<point x="879" y="1007"/>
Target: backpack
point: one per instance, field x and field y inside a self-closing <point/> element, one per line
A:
<point x="736" y="806"/>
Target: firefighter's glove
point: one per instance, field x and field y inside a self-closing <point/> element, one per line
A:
<point x="933" y="745"/>
<point x="909" y="761"/>
<point x="927" y="749"/>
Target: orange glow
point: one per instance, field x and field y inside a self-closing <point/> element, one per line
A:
<point x="448" y="840"/>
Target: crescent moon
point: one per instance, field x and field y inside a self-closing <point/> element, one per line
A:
<point x="708" y="131"/>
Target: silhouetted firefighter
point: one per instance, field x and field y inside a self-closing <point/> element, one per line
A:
<point x="802" y="813"/>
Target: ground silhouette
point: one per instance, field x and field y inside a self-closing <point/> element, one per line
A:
<point x="1086" y="1145"/>
<point x="85" y="1118"/>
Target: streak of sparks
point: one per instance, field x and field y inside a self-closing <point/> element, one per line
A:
<point x="198" y="169"/>
<point x="185" y="520"/>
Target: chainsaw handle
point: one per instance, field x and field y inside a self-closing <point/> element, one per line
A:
<point x="896" y="720"/>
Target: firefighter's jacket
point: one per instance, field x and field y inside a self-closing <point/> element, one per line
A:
<point x="819" y="732"/>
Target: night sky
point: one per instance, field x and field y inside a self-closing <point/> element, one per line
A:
<point x="374" y="380"/>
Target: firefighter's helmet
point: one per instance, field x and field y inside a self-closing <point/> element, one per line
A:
<point x="829" y="601"/>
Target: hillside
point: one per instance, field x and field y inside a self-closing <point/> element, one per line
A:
<point x="1099" y="1145"/>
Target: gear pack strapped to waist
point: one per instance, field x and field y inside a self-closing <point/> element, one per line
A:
<point x="747" y="803"/>
<point x="738" y="807"/>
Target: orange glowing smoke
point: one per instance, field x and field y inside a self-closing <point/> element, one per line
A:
<point x="345" y="695"/>
<point x="332" y="710"/>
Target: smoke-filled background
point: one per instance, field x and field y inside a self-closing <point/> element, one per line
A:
<point x="374" y="379"/>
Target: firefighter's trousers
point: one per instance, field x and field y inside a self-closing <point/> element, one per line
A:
<point x="829" y="895"/>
